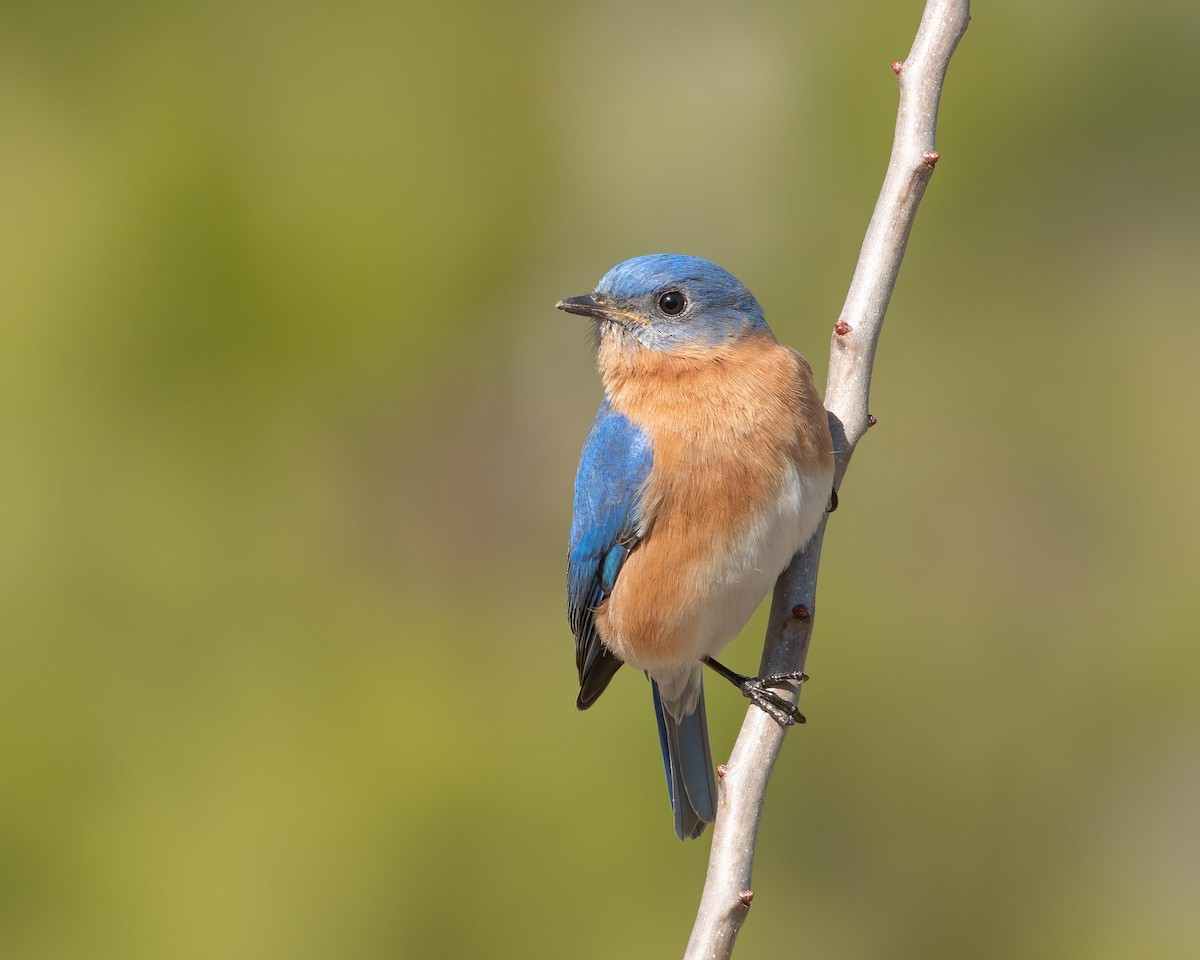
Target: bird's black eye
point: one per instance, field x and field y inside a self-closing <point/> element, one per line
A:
<point x="672" y="303"/>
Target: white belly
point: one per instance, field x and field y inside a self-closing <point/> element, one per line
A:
<point x="735" y="581"/>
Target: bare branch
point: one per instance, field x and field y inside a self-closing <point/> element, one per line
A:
<point x="727" y="889"/>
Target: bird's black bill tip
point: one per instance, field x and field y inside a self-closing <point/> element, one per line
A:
<point x="585" y="306"/>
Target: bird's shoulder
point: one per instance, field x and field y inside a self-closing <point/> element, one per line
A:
<point x="613" y="465"/>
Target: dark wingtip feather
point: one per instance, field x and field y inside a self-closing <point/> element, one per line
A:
<point x="595" y="675"/>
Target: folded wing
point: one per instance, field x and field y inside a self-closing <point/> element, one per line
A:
<point x="606" y="527"/>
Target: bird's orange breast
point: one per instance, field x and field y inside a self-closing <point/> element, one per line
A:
<point x="729" y="427"/>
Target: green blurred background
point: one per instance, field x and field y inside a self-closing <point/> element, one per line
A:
<point x="288" y="426"/>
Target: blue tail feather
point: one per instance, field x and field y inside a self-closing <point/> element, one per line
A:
<point x="687" y="760"/>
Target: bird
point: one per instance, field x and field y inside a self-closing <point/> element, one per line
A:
<point x="708" y="466"/>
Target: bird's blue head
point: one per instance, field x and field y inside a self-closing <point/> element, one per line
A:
<point x="670" y="302"/>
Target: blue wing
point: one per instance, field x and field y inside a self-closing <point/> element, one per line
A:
<point x="613" y="467"/>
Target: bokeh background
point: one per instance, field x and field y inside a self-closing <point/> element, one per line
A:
<point x="288" y="426"/>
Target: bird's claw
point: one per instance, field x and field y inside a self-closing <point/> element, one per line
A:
<point x="758" y="691"/>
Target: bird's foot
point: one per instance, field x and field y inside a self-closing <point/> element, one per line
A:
<point x="758" y="691"/>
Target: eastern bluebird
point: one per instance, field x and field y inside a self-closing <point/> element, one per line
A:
<point x="707" y="468"/>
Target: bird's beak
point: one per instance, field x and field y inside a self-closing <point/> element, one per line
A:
<point x="585" y="306"/>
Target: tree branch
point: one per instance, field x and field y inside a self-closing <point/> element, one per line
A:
<point x="727" y="894"/>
